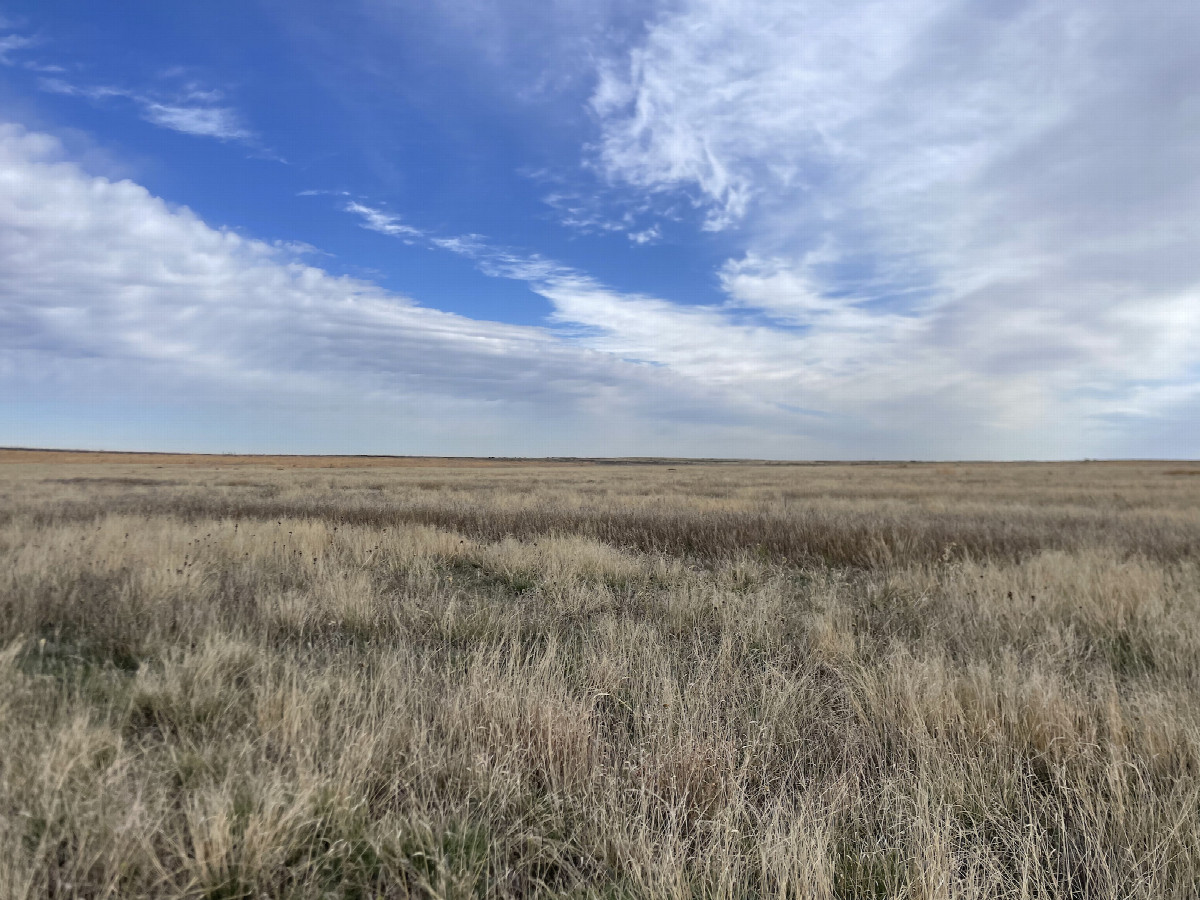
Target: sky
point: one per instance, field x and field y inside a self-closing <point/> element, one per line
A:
<point x="787" y="229"/>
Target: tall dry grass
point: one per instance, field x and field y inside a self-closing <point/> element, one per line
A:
<point x="869" y="681"/>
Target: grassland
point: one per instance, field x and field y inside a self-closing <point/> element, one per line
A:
<point x="231" y="681"/>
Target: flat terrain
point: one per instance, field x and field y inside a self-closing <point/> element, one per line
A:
<point x="212" y="460"/>
<point x="238" y="677"/>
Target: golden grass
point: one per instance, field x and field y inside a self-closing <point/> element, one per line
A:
<point x="728" y="681"/>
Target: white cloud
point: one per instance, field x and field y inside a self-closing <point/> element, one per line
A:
<point x="380" y="221"/>
<point x="102" y="270"/>
<point x="754" y="366"/>
<point x="646" y="235"/>
<point x="12" y="42"/>
<point x="598" y="209"/>
<point x="986" y="214"/>
<point x="737" y="98"/>
<point x="108" y="292"/>
<point x="89" y="92"/>
<point x="205" y="121"/>
<point x="885" y="382"/>
<point x="191" y="109"/>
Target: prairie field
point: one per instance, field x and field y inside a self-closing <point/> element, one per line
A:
<point x="255" y="679"/>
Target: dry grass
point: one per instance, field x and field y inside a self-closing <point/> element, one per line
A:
<point x="752" y="681"/>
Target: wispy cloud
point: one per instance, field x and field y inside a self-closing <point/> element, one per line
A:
<point x="708" y="345"/>
<point x="588" y="205"/>
<point x="205" y="121"/>
<point x="88" y="91"/>
<point x="189" y="109"/>
<point x="380" y="221"/>
<point x="10" y="43"/>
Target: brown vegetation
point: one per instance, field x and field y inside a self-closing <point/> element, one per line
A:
<point x="637" y="681"/>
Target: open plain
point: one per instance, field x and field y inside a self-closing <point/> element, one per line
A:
<point x="238" y="678"/>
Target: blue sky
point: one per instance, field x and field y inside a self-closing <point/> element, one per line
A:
<point x="902" y="229"/>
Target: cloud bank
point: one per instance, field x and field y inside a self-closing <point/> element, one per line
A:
<point x="990" y="207"/>
<point x="106" y="290"/>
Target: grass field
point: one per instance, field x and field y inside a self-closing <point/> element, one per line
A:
<point x="231" y="681"/>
